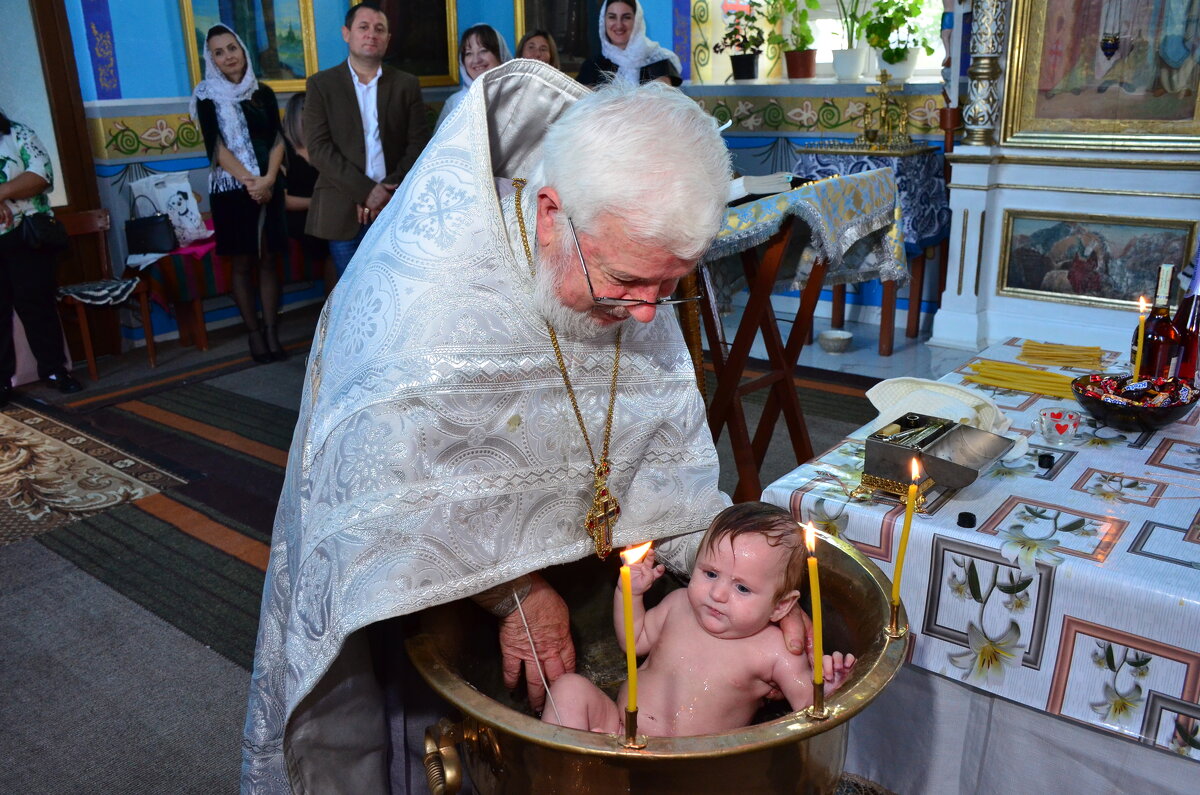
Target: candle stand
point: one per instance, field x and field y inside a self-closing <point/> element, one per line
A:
<point x="632" y="739"/>
<point x="818" y="710"/>
<point x="894" y="630"/>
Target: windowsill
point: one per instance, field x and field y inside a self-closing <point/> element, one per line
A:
<point x="810" y="86"/>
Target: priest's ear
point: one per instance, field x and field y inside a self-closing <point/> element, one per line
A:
<point x="784" y="605"/>
<point x="548" y="208"/>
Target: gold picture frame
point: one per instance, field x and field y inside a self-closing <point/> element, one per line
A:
<point x="1062" y="91"/>
<point x="409" y="49"/>
<point x="286" y="52"/>
<point x="576" y="20"/>
<point x="1090" y="260"/>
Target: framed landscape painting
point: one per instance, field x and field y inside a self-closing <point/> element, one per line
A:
<point x="1104" y="74"/>
<point x="279" y="37"/>
<point x="1089" y="259"/>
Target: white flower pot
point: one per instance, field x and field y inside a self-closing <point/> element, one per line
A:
<point x="848" y="64"/>
<point x="899" y="71"/>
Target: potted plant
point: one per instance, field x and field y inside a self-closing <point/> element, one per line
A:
<point x="798" y="54"/>
<point x="894" y="31"/>
<point x="848" y="64"/>
<point x="744" y="39"/>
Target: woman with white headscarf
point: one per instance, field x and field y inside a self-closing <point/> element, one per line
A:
<point x="626" y="53"/>
<point x="480" y="48"/>
<point x="240" y="122"/>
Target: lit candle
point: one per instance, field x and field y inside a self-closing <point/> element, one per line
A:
<point x="814" y="588"/>
<point x="629" y="557"/>
<point x="909" y="506"/>
<point x="1137" y="359"/>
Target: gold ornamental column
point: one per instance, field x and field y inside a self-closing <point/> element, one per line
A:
<point x="987" y="44"/>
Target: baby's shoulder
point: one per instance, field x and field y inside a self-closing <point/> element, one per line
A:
<point x="676" y="598"/>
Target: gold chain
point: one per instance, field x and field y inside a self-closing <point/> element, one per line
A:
<point x="602" y="516"/>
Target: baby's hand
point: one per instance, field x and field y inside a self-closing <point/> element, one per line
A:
<point x="643" y="574"/>
<point x="837" y="670"/>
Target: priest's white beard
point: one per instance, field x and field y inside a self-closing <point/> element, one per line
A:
<point x="553" y="264"/>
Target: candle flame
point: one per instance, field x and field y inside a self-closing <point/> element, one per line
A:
<point x="916" y="470"/>
<point x="1143" y="305"/>
<point x="635" y="554"/>
<point x="810" y="537"/>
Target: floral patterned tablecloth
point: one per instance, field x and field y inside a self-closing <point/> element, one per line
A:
<point x="1077" y="592"/>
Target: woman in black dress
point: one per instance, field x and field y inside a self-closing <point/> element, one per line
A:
<point x="301" y="178"/>
<point x="626" y="53"/>
<point x="240" y="122"/>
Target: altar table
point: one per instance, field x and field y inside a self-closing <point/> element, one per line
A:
<point x="925" y="206"/>
<point x="853" y="229"/>
<point x="1057" y="643"/>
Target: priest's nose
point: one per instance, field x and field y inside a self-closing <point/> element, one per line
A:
<point x="643" y="313"/>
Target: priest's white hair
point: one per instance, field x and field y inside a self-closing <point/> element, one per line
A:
<point x="647" y="155"/>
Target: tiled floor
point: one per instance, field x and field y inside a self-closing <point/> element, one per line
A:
<point x="910" y="357"/>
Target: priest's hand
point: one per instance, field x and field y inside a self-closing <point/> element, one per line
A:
<point x="551" y="630"/>
<point x="797" y="636"/>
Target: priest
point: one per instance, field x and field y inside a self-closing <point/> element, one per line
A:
<point x="497" y="385"/>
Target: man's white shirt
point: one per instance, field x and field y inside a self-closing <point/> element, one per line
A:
<point x="368" y="109"/>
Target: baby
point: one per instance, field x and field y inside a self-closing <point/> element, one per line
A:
<point x="714" y="649"/>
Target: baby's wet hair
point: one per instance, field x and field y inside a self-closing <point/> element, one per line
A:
<point x="770" y="521"/>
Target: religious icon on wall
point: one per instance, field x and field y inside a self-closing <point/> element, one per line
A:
<point x="574" y="26"/>
<point x="1086" y="259"/>
<point x="279" y="37"/>
<point x="1104" y="73"/>
<point x="424" y="39"/>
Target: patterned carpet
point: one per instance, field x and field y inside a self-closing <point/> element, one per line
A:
<point x="52" y="473"/>
<point x="192" y="553"/>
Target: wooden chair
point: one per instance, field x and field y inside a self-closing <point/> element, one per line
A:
<point x="108" y="291"/>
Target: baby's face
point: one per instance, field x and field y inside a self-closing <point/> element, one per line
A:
<point x="732" y="591"/>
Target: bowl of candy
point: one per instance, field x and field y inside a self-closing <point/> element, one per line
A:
<point x="1147" y="405"/>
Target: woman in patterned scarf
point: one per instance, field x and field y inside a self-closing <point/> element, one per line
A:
<point x="240" y="122"/>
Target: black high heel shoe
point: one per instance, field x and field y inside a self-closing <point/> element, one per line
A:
<point x="258" y="346"/>
<point x="278" y="352"/>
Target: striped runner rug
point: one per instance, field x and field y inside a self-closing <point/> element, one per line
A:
<point x="193" y="554"/>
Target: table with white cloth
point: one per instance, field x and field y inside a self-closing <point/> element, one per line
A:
<point x="1057" y="628"/>
<point x="924" y="205"/>
<point x="853" y="234"/>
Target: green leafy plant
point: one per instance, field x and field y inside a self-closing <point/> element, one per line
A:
<point x="894" y="28"/>
<point x="801" y="36"/>
<point x="854" y="16"/>
<point x="744" y="34"/>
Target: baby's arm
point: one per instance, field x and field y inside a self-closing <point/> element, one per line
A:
<point x="641" y="576"/>
<point x="793" y="676"/>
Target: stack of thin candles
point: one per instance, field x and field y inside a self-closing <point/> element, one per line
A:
<point x="1047" y="353"/>
<point x="1007" y="375"/>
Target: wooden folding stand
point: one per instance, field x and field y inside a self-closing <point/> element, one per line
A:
<point x="726" y="405"/>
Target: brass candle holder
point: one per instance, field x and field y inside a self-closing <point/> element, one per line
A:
<point x="818" y="711"/>
<point x="632" y="740"/>
<point x="894" y="630"/>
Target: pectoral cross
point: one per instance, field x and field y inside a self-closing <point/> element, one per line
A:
<point x="602" y="517"/>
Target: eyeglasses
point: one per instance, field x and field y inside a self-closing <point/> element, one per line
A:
<point x="620" y="301"/>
